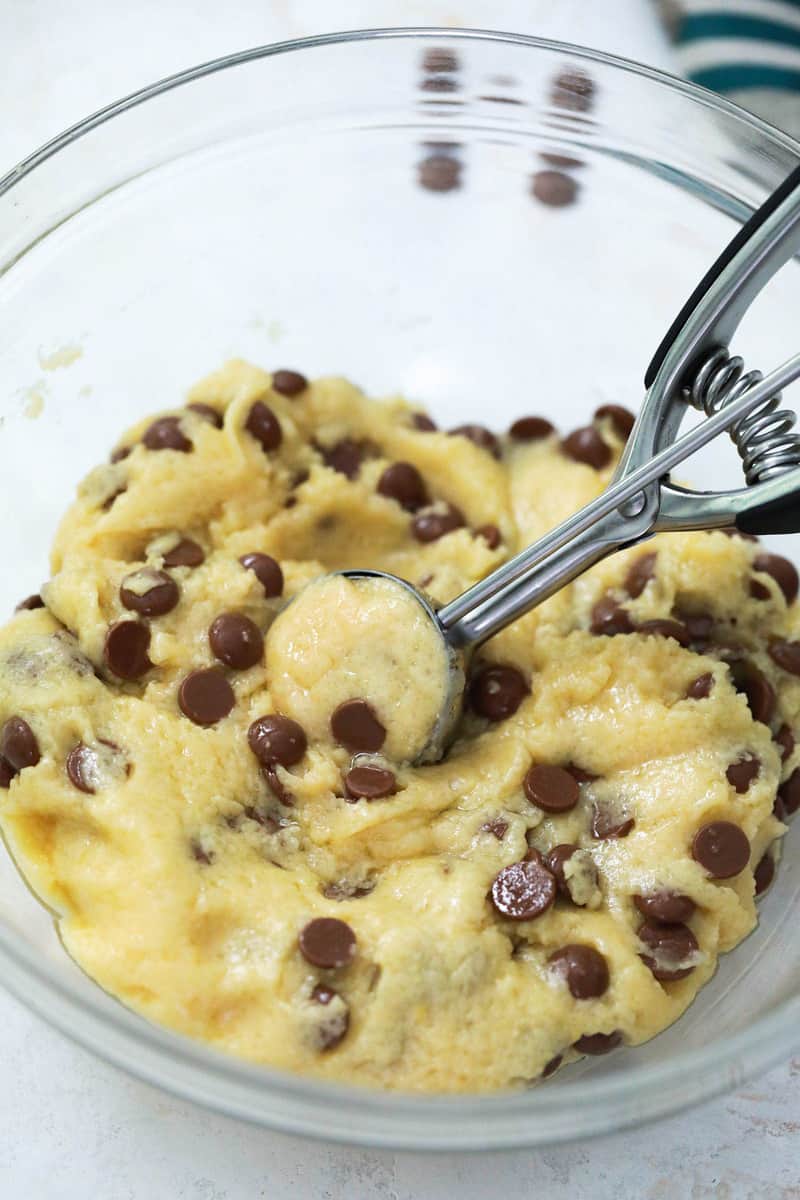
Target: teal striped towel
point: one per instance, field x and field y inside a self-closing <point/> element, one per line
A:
<point x="747" y="49"/>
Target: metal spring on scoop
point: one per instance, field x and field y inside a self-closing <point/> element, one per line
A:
<point x="765" y="440"/>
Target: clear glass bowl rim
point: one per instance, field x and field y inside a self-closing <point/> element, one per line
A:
<point x="295" y="1104"/>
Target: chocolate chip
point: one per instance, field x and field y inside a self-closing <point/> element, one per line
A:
<point x="18" y="744"/>
<point x="497" y="827"/>
<point x="207" y="413"/>
<point x="236" y="641"/>
<point x="785" y="739"/>
<point x="264" y="426"/>
<point x="608" y="824"/>
<point x="335" y="1026"/>
<point x="742" y="773"/>
<point x="200" y="854"/>
<point x="185" y="554"/>
<point x="438" y="59"/>
<point x="531" y="429"/>
<point x="480" y="436"/>
<point x="584" y="969"/>
<point x="555" y="860"/>
<point x="621" y="418"/>
<point x="402" y="482"/>
<point x="753" y="684"/>
<point x="266" y="570"/>
<point x="496" y="692"/>
<point x="266" y="820"/>
<point x="166" y="434"/>
<point x="665" y="905"/>
<point x="587" y="446"/>
<point x="81" y="768"/>
<point x="671" y="945"/>
<point x="598" y="1043"/>
<point x="759" y="590"/>
<point x="551" y="788"/>
<point x="275" y="738"/>
<point x="120" y="453"/>
<point x="579" y="774"/>
<point x="700" y="688"/>
<point x="523" y="890"/>
<point x="30" y="603"/>
<point x="573" y="91"/>
<point x="424" y="423"/>
<point x="205" y="696"/>
<point x="110" y="500"/>
<point x="552" y="1066"/>
<point x="764" y="873"/>
<point x="333" y="1030"/>
<point x="609" y="618"/>
<point x="554" y="188"/>
<point x="327" y="942"/>
<point x="289" y="383"/>
<point x="148" y="592"/>
<point x="560" y="160"/>
<point x="789" y="794"/>
<point x="345" y="889"/>
<point x="786" y="655"/>
<point x="640" y="572"/>
<point x="125" y="649"/>
<point x="369" y="783"/>
<point x="665" y="628"/>
<point x="345" y="457"/>
<point x="722" y="848"/>
<point x="490" y="534"/>
<point x="355" y="725"/>
<point x="439" y="83"/>
<point x="699" y="625"/>
<point x="439" y="173"/>
<point x="782" y="571"/>
<point x="275" y="785"/>
<point x="434" y="523"/>
<point x="7" y="773"/>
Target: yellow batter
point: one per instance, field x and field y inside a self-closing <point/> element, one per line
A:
<point x="351" y="638"/>
<point x="283" y="884"/>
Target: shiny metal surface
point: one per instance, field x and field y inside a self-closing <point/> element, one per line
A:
<point x="615" y="519"/>
<point x="765" y="440"/>
<point x="640" y="501"/>
<point x="441" y="734"/>
<point x="603" y="526"/>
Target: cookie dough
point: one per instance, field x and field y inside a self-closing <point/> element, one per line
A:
<point x="228" y="859"/>
<point x="347" y="649"/>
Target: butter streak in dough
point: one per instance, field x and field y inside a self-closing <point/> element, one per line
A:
<point x="181" y="883"/>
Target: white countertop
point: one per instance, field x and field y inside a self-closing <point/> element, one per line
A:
<point x="71" y="1126"/>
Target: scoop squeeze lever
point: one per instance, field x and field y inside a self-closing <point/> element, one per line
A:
<point x="692" y="367"/>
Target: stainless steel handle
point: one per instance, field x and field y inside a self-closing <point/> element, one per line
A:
<point x="549" y="570"/>
<point x="626" y="512"/>
<point x="716" y="306"/>
<point x="629" y="509"/>
<point x="711" y="315"/>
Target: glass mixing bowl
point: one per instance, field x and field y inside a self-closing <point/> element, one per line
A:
<point x="361" y="204"/>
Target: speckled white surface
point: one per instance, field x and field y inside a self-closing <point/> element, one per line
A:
<point x="72" y="1127"/>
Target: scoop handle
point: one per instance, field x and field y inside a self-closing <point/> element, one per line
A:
<point x="760" y="248"/>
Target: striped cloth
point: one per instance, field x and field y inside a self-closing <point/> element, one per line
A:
<point x="747" y="49"/>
